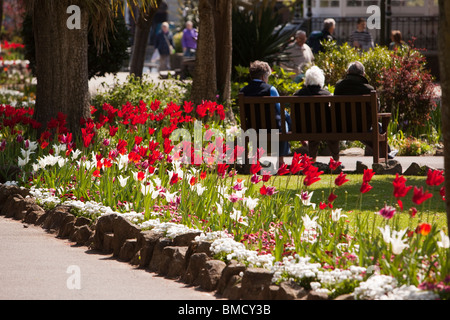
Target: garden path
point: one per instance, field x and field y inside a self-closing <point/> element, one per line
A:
<point x="34" y="265"/>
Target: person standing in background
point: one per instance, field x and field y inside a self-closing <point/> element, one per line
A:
<point x="164" y="44"/>
<point x="361" y="39"/>
<point x="189" y="40"/>
<point x="300" y="56"/>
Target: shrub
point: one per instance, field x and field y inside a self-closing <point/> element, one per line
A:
<point x="135" y="89"/>
<point x="408" y="89"/>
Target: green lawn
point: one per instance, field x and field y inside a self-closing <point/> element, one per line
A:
<point x="349" y="197"/>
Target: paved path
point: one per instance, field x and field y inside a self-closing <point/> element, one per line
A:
<point x="34" y="265"/>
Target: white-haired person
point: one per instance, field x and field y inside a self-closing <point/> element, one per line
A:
<point x="314" y="85"/>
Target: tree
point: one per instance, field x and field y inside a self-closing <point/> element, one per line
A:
<point x="212" y="75"/>
<point x="62" y="54"/>
<point x="142" y="32"/>
<point x="444" y="47"/>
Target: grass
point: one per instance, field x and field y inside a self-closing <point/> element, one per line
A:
<point x="349" y="198"/>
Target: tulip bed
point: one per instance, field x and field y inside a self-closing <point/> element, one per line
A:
<point x="297" y="222"/>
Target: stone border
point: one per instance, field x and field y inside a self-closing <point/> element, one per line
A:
<point x="180" y="258"/>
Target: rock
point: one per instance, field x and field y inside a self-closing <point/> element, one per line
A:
<point x="360" y="167"/>
<point x="103" y="226"/>
<point x="313" y="295"/>
<point x="196" y="263"/>
<point x="145" y="245"/>
<point x="391" y="168"/>
<point x="53" y="219"/>
<point x="11" y="204"/>
<point x="416" y="170"/>
<point x="7" y="191"/>
<point x="33" y="214"/>
<point x="107" y="242"/>
<point x="271" y="292"/>
<point x="16" y="206"/>
<point x="82" y="221"/>
<point x="123" y="230"/>
<point x="81" y="235"/>
<point x="157" y="256"/>
<point x="233" y="289"/>
<point x="347" y="297"/>
<point x="66" y="229"/>
<point x="290" y="291"/>
<point x="254" y="281"/>
<point x="128" y="250"/>
<point x="209" y="276"/>
<point x="173" y="263"/>
<point x="232" y="269"/>
<point x="184" y="240"/>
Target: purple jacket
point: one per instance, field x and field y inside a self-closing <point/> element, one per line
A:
<point x="189" y="39"/>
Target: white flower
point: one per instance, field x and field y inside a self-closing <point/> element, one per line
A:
<point x="237" y="215"/>
<point x="200" y="189"/>
<point x="445" y="241"/>
<point x="170" y="197"/>
<point x="386" y="232"/>
<point x="75" y="154"/>
<point x="22" y="162"/>
<point x="251" y="203"/>
<point x="397" y="243"/>
<point x="62" y="162"/>
<point x="123" y="181"/>
<point x="32" y="145"/>
<point x="336" y="215"/>
<point x="309" y="223"/>
<point x="122" y="161"/>
<point x="305" y="197"/>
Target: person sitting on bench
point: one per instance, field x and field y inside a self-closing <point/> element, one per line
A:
<point x="258" y="87"/>
<point x="314" y="86"/>
<point x="356" y="83"/>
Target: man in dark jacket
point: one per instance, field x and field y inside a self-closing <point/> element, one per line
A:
<point x="316" y="37"/>
<point x="164" y="44"/>
<point x="356" y="83"/>
<point x="258" y="87"/>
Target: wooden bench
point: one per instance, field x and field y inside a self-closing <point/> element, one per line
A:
<point x="320" y="118"/>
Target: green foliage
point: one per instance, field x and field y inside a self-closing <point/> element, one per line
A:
<point x="256" y="36"/>
<point x="135" y="89"/>
<point x="335" y="60"/>
<point x="109" y="61"/>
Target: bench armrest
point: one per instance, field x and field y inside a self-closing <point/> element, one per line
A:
<point x="385" y="119"/>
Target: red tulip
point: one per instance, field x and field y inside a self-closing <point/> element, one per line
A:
<point x="255" y="168"/>
<point x="341" y="179"/>
<point x="368" y="174"/>
<point x="420" y="197"/>
<point x="334" y="164"/>
<point x="283" y="170"/>
<point x="435" y="178"/>
<point x="366" y="187"/>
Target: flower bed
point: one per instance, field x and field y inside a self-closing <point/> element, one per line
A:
<point x="128" y="162"/>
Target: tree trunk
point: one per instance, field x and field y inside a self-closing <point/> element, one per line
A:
<point x="61" y="63"/>
<point x="224" y="51"/>
<point x="141" y="35"/>
<point x="444" y="48"/>
<point x="204" y="85"/>
<point x="1" y="14"/>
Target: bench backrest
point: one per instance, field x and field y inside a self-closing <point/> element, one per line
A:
<point x="340" y="117"/>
